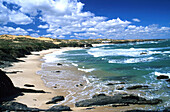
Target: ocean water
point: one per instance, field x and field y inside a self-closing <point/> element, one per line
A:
<point x="132" y="63"/>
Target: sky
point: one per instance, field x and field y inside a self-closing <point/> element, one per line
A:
<point x="86" y="19"/>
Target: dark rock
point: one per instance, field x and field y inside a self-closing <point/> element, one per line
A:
<point x="137" y="87"/>
<point x="30" y="90"/>
<point x="13" y="72"/>
<point x="98" y="95"/>
<point x="168" y="80"/>
<point x="77" y="85"/>
<point x="162" y="77"/>
<point x="120" y="105"/>
<point x="59" y="64"/>
<point x="15" y="106"/>
<point x="90" y="108"/>
<point x="110" y="84"/>
<point x="143" y="53"/>
<point x="57" y="71"/>
<point x="120" y="87"/>
<point x="81" y="84"/>
<point x="116" y="99"/>
<point x="89" y="45"/>
<point x="7" y="88"/>
<point x="59" y="108"/>
<point x="29" y="85"/>
<point x="55" y="99"/>
<point x="141" y="111"/>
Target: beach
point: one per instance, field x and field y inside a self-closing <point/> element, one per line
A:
<point x="69" y="81"/>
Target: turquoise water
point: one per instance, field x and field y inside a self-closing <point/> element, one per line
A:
<point x="133" y="63"/>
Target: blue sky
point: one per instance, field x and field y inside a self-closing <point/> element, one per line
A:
<point x="83" y="19"/>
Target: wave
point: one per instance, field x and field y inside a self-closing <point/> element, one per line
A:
<point x="74" y="64"/>
<point x="132" y="52"/>
<point x="159" y="73"/>
<point x="86" y="70"/>
<point x="52" y="58"/>
<point x="133" y="60"/>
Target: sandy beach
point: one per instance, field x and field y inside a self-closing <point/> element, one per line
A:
<point x="28" y="75"/>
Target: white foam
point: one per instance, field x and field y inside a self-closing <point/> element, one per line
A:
<point x="158" y="74"/>
<point x="133" y="60"/>
<point x="74" y="64"/>
<point x="132" y="52"/>
<point x="52" y="58"/>
<point x="86" y="70"/>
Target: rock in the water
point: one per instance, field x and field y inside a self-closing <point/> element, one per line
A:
<point x="29" y="85"/>
<point x="168" y="80"/>
<point x="120" y="87"/>
<point x="110" y="84"/>
<point x="59" y="108"/>
<point x="137" y="87"/>
<point x="162" y="77"/>
<point x="55" y="99"/>
<point x="116" y="99"/>
<point x="59" y="64"/>
<point x="7" y="88"/>
<point x="89" y="45"/>
<point x="98" y="95"/>
<point x="143" y="53"/>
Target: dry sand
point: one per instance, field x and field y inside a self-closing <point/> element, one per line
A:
<point x="29" y="67"/>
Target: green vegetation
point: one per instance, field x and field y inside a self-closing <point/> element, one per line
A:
<point x="11" y="49"/>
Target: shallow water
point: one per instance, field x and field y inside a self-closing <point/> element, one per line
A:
<point x="132" y="63"/>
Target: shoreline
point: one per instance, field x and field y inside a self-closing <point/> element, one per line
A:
<point x="28" y="75"/>
<point x="32" y="64"/>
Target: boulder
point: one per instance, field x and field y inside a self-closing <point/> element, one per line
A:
<point x="121" y="87"/>
<point x="137" y="87"/>
<point x="59" y="64"/>
<point x="168" y="80"/>
<point x="116" y="99"/>
<point x="7" y="88"/>
<point x="110" y="84"/>
<point x="59" y="108"/>
<point x="98" y="95"/>
<point x="55" y="99"/>
<point x="15" y="106"/>
<point x="89" y="45"/>
<point x="162" y="77"/>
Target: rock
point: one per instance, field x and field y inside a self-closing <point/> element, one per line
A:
<point x="143" y="53"/>
<point x="59" y="64"/>
<point x="89" y="45"/>
<point x="137" y="87"/>
<point x="142" y="111"/>
<point x="162" y="77"/>
<point x="59" y="108"/>
<point x="168" y="80"/>
<point x="29" y="85"/>
<point x="57" y="71"/>
<point x="55" y="99"/>
<point x="90" y="108"/>
<point x="15" y="106"/>
<point x="98" y="95"/>
<point x="120" y="87"/>
<point x="81" y="84"/>
<point x="7" y="88"/>
<point x="13" y="72"/>
<point x="116" y="99"/>
<point x="110" y="84"/>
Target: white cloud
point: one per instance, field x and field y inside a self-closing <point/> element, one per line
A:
<point x="35" y="35"/>
<point x="12" y="31"/>
<point x="136" y="20"/>
<point x="43" y="26"/>
<point x="19" y="18"/>
<point x="65" y="17"/>
<point x="31" y="30"/>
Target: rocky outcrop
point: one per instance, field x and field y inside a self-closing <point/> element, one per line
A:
<point x="15" y="106"/>
<point x="137" y="87"/>
<point x="7" y="88"/>
<point x="55" y="99"/>
<point x="29" y="85"/>
<point x="116" y="99"/>
<point x="59" y="108"/>
<point x="162" y="77"/>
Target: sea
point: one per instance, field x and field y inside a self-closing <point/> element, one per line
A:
<point x="104" y="68"/>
